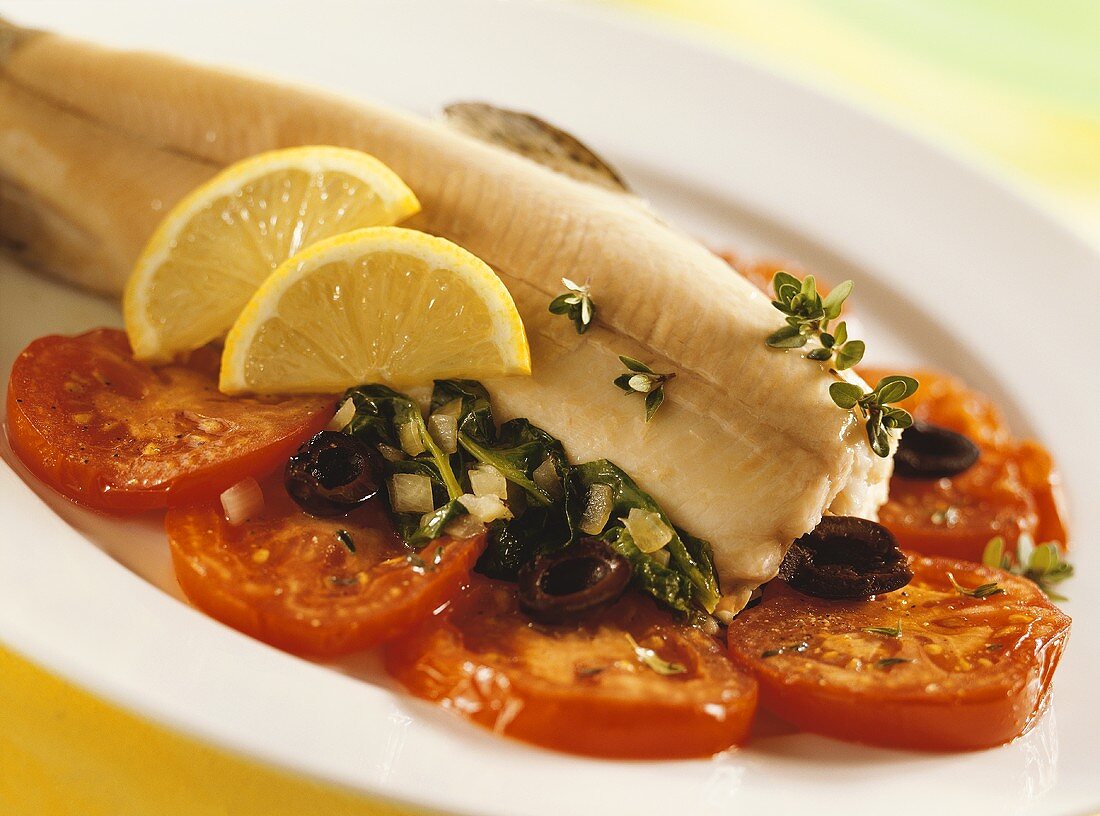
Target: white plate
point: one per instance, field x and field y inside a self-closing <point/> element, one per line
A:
<point x="951" y="269"/>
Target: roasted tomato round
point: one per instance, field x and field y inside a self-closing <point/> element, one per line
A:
<point x="629" y="681"/>
<point x="120" y="435"/>
<point x="956" y="517"/>
<point x="312" y="586"/>
<point x="947" y="663"/>
<point x="1011" y="490"/>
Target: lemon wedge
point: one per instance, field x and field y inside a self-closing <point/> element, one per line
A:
<point x="382" y="304"/>
<point x="222" y="240"/>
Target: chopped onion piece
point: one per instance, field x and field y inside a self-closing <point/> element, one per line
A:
<point x="662" y="556"/>
<point x="444" y="430"/>
<point x="343" y="416"/>
<point x="485" y="508"/>
<point x="708" y="625"/>
<point x="452" y="408"/>
<point x="243" y="501"/>
<point x="731" y="603"/>
<point x="464" y="527"/>
<point x="411" y="493"/>
<point x="546" y="477"/>
<point x="597" y="510"/>
<point x="409" y="437"/>
<point x="486" y="480"/>
<point x="648" y="529"/>
<point x="391" y="454"/>
<point x="422" y="396"/>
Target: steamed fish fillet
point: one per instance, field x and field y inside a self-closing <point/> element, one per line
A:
<point x="748" y="450"/>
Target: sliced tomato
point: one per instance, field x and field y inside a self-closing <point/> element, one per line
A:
<point x="579" y="688"/>
<point x="965" y="672"/>
<point x="1012" y="489"/>
<point x="121" y="435"/>
<point x="296" y="582"/>
<point x="1044" y="484"/>
<point x="760" y="273"/>
<point x="947" y="401"/>
<point x="956" y="517"/>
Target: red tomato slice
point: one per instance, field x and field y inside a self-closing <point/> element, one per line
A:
<point x="1012" y="489"/>
<point x="120" y="435"/>
<point x="966" y="673"/>
<point x="956" y="517"/>
<point x="947" y="401"/>
<point x="291" y="580"/>
<point x="760" y="273"/>
<point x="578" y="688"/>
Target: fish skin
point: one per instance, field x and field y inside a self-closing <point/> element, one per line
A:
<point x="535" y="138"/>
<point x="748" y="450"/>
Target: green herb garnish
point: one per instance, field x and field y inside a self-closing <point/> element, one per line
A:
<point x="547" y="495"/>
<point x="808" y="318"/>
<point x="641" y="379"/>
<point x="1041" y="564"/>
<point x="589" y="671"/>
<point x="422" y="567"/>
<point x="688" y="582"/>
<point x="981" y="591"/>
<point x="380" y="415"/>
<point x="576" y="304"/>
<point x="894" y="632"/>
<point x="799" y="647"/>
<point x="880" y="416"/>
<point x="655" y="661"/>
<point x="346" y="539"/>
<point x="886" y="662"/>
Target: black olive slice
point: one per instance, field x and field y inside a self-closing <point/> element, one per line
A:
<point x="928" y="451"/>
<point x="846" y="558"/>
<point x="332" y="474"/>
<point x="567" y="585"/>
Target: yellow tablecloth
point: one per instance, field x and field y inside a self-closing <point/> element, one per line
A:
<point x="65" y="753"/>
<point x="1015" y="84"/>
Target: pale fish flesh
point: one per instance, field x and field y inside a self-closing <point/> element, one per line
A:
<point x="748" y="450"/>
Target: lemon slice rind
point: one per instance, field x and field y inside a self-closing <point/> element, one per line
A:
<point x="505" y="327"/>
<point x="399" y="202"/>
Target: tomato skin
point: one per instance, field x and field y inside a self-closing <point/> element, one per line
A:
<point x="977" y="675"/>
<point x="760" y="272"/>
<point x="956" y="517"/>
<point x="119" y="435"/>
<point x="286" y="578"/>
<point x="579" y="688"/>
<point x="1013" y="489"/>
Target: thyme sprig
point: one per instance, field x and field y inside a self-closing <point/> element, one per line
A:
<point x="641" y="379"/>
<point x="1041" y="564"/>
<point x="655" y="661"/>
<point x="887" y="631"/>
<point x="887" y="662"/>
<point x="808" y="318"/>
<point x="874" y="406"/>
<point x="576" y="304"/>
<point x="789" y="648"/>
<point x="980" y="591"/>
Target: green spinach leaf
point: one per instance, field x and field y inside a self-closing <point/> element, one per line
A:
<point x="691" y="560"/>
